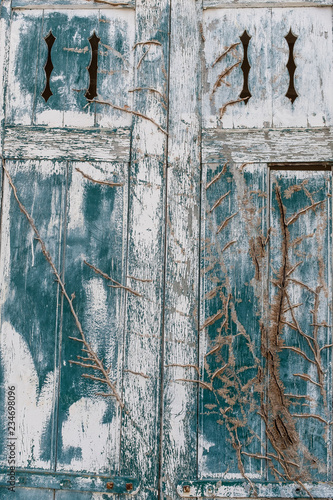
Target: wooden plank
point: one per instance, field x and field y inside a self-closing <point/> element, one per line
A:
<point x="116" y="67"/>
<point x="271" y="146"/>
<point x="26" y="478"/>
<point x="27" y="494"/>
<point x="71" y="55"/>
<point x="79" y="4"/>
<point x="233" y="295"/>
<point x="239" y="4"/>
<point x="314" y="66"/>
<point x="300" y="257"/>
<point x="23" y="64"/>
<point x="180" y="398"/>
<point x="143" y="334"/>
<point x="237" y="489"/>
<point x="89" y="424"/>
<point x="30" y="306"/>
<point x="5" y="15"/>
<point x="224" y="54"/>
<point x="63" y="143"/>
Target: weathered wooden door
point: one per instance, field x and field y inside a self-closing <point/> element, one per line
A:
<point x="166" y="227"/>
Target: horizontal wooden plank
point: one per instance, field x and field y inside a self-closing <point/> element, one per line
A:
<point x="241" y="489"/>
<point x="268" y="145"/>
<point x="227" y="4"/>
<point x="76" y="144"/>
<point x="72" y="4"/>
<point x="76" y="482"/>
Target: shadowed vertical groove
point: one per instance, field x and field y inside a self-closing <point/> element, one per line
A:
<point x="126" y="272"/>
<point x="61" y="312"/>
<point x="161" y="412"/>
<point x="329" y="222"/>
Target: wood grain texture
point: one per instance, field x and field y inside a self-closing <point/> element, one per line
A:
<point x="64" y="143"/>
<point x="271" y="146"/>
<point x="23" y="64"/>
<point x="5" y="11"/>
<point x="268" y="105"/>
<point x="179" y="447"/>
<point x="143" y="331"/>
<point x="226" y="4"/>
<point x="96" y="232"/>
<point x="30" y="306"/>
<point x="233" y="293"/>
<point x="78" y="4"/>
<point x="314" y="66"/>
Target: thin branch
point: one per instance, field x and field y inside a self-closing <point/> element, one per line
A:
<point x="212" y="319"/>
<point x="225" y="222"/>
<point x="219" y="371"/>
<point x="228" y="245"/>
<point x="230" y="103"/>
<point x="217" y="176"/>
<point x="150" y="89"/>
<point x="299" y="351"/>
<point x="79" y="363"/>
<point x="221" y="76"/>
<point x="148" y="42"/>
<point x="217" y="203"/>
<point x="184" y="366"/>
<point x="203" y="384"/>
<point x="294" y="267"/>
<point x="220" y="57"/>
<point x="47" y="256"/>
<point x="295" y="216"/>
<point x="137" y="373"/>
<point x="107" y="277"/>
<point x="310" y="415"/>
<point x="130" y="111"/>
<point x="306" y="377"/>
<point x="105" y="183"/>
<point x="142" y="57"/>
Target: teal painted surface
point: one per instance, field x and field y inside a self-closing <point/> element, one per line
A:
<point x="308" y="287"/>
<point x="30" y="314"/>
<point x="95" y="233"/>
<point x="27" y="494"/>
<point x="71" y="54"/>
<point x="69" y="481"/>
<point x="273" y="343"/>
<point x="232" y="282"/>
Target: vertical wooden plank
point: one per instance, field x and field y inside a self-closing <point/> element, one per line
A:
<point x="300" y="369"/>
<point x="116" y="66"/>
<point x="5" y="17"/>
<point x="69" y="81"/>
<point x="143" y="333"/>
<point x="23" y="64"/>
<point x="29" y="307"/>
<point x="223" y="76"/>
<point x="179" y="447"/>
<point x="314" y="65"/>
<point x="233" y="305"/>
<point x="89" y="425"/>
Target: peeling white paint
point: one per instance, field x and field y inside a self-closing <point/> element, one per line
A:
<point x="34" y="406"/>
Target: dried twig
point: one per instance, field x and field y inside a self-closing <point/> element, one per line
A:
<point x="82" y="339"/>
<point x="217" y="176"/>
<point x="105" y="183"/>
<point x="107" y="277"/>
<point x="184" y="366"/>
<point x="300" y="212"/>
<point x="225" y="222"/>
<point x="220" y="78"/>
<point x="218" y="202"/>
<point x="230" y="103"/>
<point x="220" y="57"/>
<point x="130" y="111"/>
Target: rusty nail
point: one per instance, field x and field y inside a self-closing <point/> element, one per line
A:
<point x="129" y="486"/>
<point x="109" y="485"/>
<point x="186" y="489"/>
